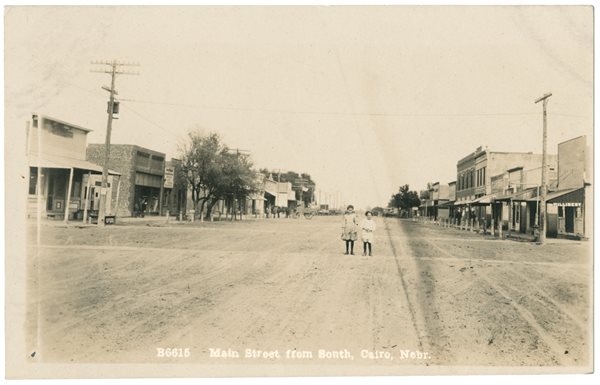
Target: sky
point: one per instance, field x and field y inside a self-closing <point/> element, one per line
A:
<point x="364" y="99"/>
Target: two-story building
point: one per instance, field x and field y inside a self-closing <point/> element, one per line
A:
<point x="474" y="193"/>
<point x="142" y="175"/>
<point x="568" y="203"/>
<point x="514" y="208"/>
<point x="59" y="171"/>
<point x="445" y="208"/>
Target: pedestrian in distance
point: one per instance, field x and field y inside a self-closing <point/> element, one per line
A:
<point x="144" y="205"/>
<point x="349" y="229"/>
<point x="368" y="228"/>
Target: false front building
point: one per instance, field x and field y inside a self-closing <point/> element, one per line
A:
<point x="58" y="170"/>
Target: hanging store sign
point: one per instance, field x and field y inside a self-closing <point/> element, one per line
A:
<point x="169" y="177"/>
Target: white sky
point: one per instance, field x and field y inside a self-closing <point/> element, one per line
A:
<point x="362" y="98"/>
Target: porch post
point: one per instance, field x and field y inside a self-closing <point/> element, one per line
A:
<point x="500" y="220"/>
<point x="471" y="220"/>
<point x="510" y="213"/>
<point x="493" y="219"/>
<point x="38" y="188"/>
<point x="68" y="197"/>
<point x="87" y="197"/>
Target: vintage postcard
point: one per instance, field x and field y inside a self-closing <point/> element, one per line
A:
<point x="205" y="191"/>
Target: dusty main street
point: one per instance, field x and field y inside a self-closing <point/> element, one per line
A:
<point x="428" y="296"/>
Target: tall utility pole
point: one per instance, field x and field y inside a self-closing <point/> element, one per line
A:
<point x="112" y="67"/>
<point x="542" y="229"/>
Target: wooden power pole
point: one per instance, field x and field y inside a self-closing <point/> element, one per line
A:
<point x="114" y="68"/>
<point x="542" y="227"/>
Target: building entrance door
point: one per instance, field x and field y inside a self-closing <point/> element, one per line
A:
<point x="532" y="216"/>
<point x="50" y="197"/>
<point x="570" y="219"/>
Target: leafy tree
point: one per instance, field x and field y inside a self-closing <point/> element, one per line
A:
<point x="405" y="199"/>
<point x="213" y="172"/>
<point x="236" y="182"/>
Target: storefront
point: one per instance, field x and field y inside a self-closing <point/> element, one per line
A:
<point x="142" y="182"/>
<point x="565" y="213"/>
<point x="58" y="170"/>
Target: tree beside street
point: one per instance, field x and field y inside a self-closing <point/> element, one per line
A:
<point x="236" y="182"/>
<point x="213" y="172"/>
<point x="404" y="200"/>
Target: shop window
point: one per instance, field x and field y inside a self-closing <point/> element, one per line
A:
<point x="142" y="159"/>
<point x="76" y="189"/>
<point x="156" y="162"/>
<point x="560" y="212"/>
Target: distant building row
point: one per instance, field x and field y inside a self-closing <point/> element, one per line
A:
<point x="65" y="178"/>
<point x="499" y="192"/>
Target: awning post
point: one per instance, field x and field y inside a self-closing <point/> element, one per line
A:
<point x="68" y="197"/>
<point x="87" y="197"/>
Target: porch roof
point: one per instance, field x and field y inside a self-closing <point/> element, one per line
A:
<point x="53" y="161"/>
<point x="484" y="200"/>
<point x="571" y="195"/>
<point x="463" y="203"/>
<point x="518" y="196"/>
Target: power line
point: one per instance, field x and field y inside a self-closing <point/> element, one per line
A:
<point x="340" y="113"/>
<point x="187" y="105"/>
<point x="147" y="120"/>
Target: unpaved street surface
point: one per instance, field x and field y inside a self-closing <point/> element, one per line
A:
<point x="429" y="296"/>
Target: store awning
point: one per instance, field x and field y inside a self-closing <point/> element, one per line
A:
<point x="50" y="161"/>
<point x="463" y="203"/>
<point x="484" y="200"/>
<point x="572" y="195"/>
<point x="447" y="204"/>
<point x="519" y="196"/>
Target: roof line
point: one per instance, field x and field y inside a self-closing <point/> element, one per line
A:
<point x="63" y="122"/>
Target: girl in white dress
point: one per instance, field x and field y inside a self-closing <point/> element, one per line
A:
<point x="368" y="228"/>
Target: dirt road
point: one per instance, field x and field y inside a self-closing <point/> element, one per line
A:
<point x="281" y="291"/>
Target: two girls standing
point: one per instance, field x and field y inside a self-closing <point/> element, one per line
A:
<point x="350" y="231"/>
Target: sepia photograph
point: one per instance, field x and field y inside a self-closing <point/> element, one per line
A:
<point x="298" y="191"/>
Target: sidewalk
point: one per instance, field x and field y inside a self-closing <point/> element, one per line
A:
<point x="119" y="220"/>
<point x="513" y="236"/>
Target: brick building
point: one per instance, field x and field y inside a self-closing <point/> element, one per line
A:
<point x="142" y="177"/>
<point x="474" y="194"/>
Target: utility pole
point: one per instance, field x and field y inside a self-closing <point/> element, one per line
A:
<point x="112" y="67"/>
<point x="542" y="229"/>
